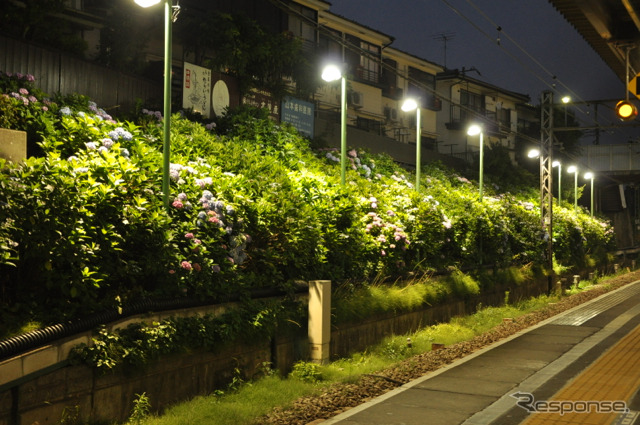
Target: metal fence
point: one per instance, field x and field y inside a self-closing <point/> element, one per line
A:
<point x="58" y="72"/>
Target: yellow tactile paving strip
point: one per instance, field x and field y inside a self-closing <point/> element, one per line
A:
<point x="613" y="376"/>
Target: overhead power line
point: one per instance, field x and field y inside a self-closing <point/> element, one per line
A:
<point x="501" y="31"/>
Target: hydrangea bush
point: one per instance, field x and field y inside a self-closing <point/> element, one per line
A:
<point x="83" y="225"/>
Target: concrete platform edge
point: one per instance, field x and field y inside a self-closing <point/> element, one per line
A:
<point x="501" y="406"/>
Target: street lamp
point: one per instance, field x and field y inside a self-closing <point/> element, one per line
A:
<point x="332" y="73"/>
<point x="475" y="130"/>
<point x="166" y="148"/>
<point x="533" y="153"/>
<point x="573" y="169"/>
<point x="589" y="176"/>
<point x="559" y="165"/>
<point x="407" y="106"/>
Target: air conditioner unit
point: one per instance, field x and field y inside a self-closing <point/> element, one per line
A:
<point x="356" y="99"/>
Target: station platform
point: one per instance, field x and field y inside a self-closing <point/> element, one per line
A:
<point x="578" y="367"/>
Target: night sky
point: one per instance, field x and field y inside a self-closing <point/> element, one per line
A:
<point x="545" y="44"/>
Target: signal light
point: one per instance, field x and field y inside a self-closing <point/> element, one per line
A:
<point x="626" y="110"/>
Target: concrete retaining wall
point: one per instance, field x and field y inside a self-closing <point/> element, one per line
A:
<point x="40" y="385"/>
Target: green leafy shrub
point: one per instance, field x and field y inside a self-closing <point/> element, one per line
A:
<point x="84" y="227"/>
<point x="306" y="372"/>
<point x="138" y="344"/>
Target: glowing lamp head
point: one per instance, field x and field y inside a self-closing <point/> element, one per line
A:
<point x="331" y="73"/>
<point x="146" y="3"/>
<point x="409" y="105"/>
<point x="533" y="153"/>
<point x="588" y="176"/>
<point x="474" y="130"/>
<point x="572" y="169"/>
<point x="555" y="164"/>
<point x="566" y="99"/>
<point x="626" y="110"/>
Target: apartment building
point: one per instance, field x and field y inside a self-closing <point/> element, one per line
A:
<point x="503" y="115"/>
<point x="379" y="78"/>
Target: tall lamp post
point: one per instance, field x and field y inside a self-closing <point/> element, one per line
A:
<point x="559" y="165"/>
<point x="166" y="148"/>
<point x="473" y="131"/>
<point x="332" y="73"/>
<point x="407" y="106"/>
<point x="573" y="169"/>
<point x="590" y="176"/>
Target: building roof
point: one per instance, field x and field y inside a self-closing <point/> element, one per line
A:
<point x="330" y="19"/>
<point x="461" y="76"/>
<point x="610" y="27"/>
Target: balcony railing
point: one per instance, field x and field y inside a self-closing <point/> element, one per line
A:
<point x="367" y="76"/>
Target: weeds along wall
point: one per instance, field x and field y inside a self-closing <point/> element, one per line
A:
<point x="93" y="395"/>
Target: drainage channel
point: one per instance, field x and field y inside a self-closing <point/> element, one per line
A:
<point x="581" y="315"/>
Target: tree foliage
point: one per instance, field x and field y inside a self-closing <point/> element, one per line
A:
<point x="241" y="47"/>
<point x="37" y="21"/>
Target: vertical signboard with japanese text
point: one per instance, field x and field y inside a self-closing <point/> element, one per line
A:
<point x="196" y="89"/>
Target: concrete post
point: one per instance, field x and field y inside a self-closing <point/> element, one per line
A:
<point x="319" y="320"/>
<point x="13" y="145"/>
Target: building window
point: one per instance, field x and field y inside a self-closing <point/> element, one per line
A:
<point x="363" y="59"/>
<point x="389" y="79"/>
<point x="421" y="84"/>
<point x="369" y="62"/>
<point x="301" y="23"/>
<point x="369" y="125"/>
<point x="504" y="116"/>
<point x="472" y="101"/>
<point x="330" y="45"/>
